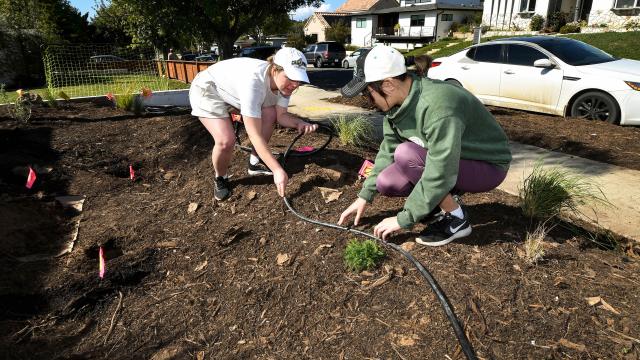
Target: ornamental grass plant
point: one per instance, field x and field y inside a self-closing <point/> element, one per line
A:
<point x="354" y="130"/>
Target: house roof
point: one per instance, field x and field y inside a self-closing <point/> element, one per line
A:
<point x="356" y="5"/>
<point x="417" y="8"/>
<point x="328" y="18"/>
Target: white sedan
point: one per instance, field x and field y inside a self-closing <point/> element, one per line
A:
<point x="548" y="74"/>
<point x="350" y="61"/>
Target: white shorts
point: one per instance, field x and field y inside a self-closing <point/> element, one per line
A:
<point x="206" y="103"/>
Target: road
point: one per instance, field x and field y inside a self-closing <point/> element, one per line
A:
<point x="329" y="78"/>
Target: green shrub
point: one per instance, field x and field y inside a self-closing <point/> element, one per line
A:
<point x="570" y="28"/>
<point x="547" y="192"/>
<point x="454" y="26"/>
<point x="557" y="20"/>
<point x="537" y="21"/>
<point x="362" y="255"/>
<point x="354" y="130"/>
<point x="632" y="25"/>
<point x="465" y="28"/>
<point x="351" y="47"/>
<point x="51" y="100"/>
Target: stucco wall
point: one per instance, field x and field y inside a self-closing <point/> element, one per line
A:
<point x="602" y="13"/>
<point x="314" y="26"/>
<point x="362" y="36"/>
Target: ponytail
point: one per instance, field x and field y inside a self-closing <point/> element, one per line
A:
<point x="423" y="63"/>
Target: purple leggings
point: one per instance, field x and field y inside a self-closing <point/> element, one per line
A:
<point x="399" y="178"/>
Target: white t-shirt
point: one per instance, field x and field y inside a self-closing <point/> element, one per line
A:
<point x="242" y="83"/>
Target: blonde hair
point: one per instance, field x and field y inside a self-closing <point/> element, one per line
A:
<point x="274" y="66"/>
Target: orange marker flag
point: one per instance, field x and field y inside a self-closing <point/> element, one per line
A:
<point x="101" y="266"/>
<point x="31" y="178"/>
<point x="132" y="173"/>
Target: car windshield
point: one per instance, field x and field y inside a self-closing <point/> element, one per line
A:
<point x="576" y="53"/>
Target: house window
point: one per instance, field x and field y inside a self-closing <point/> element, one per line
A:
<point x="361" y="23"/>
<point x="446" y="17"/>
<point x="626" y="4"/>
<point x="417" y="20"/>
<point x="528" y="6"/>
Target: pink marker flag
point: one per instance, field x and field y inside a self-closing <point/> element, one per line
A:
<point x="101" y="263"/>
<point x="132" y="173"/>
<point x="305" y="149"/>
<point x="31" y="178"/>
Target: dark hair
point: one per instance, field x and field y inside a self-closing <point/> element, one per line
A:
<point x="421" y="62"/>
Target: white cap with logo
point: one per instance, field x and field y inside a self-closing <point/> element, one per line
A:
<point x="293" y="62"/>
<point x="383" y="62"/>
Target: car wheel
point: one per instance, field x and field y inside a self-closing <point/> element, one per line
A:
<point x="454" y="82"/>
<point x="345" y="64"/>
<point x="595" y="105"/>
<point x="318" y="62"/>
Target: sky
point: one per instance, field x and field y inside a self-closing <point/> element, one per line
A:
<point x="86" y="6"/>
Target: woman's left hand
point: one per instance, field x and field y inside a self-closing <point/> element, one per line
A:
<point x="306" y="128"/>
<point x="386" y="227"/>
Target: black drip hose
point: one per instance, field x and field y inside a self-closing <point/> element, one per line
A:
<point x="457" y="328"/>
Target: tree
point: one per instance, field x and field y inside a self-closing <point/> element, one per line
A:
<point x="339" y="32"/>
<point x="201" y="21"/>
<point x="54" y="20"/>
<point x="295" y="37"/>
<point x="273" y="24"/>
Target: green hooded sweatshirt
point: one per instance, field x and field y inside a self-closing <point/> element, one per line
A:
<point x="451" y="124"/>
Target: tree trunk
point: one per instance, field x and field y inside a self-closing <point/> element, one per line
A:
<point x="225" y="45"/>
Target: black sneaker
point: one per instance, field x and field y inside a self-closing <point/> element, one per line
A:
<point x="259" y="169"/>
<point x="445" y="230"/>
<point x="222" y="189"/>
<point x="434" y="216"/>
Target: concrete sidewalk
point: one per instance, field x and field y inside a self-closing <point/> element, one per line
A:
<point x="621" y="186"/>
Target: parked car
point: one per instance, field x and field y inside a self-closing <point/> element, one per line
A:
<point x="547" y="74"/>
<point x="207" y="57"/>
<point x="188" y="57"/>
<point x="350" y="61"/>
<point x="259" y="52"/>
<point x="104" y="59"/>
<point x="328" y="53"/>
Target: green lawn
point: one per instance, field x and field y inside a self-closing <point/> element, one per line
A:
<point x="626" y="44"/>
<point x="113" y="84"/>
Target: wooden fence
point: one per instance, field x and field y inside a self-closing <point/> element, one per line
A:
<point x="183" y="71"/>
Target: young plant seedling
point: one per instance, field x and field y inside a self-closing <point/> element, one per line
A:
<point x="362" y="255"/>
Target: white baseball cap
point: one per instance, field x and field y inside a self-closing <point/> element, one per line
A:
<point x="383" y="62"/>
<point x="376" y="64"/>
<point x="293" y="62"/>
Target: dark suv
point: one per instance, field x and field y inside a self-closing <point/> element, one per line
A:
<point x="259" y="52"/>
<point x="325" y="53"/>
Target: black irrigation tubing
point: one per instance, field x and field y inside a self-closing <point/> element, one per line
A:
<point x="457" y="327"/>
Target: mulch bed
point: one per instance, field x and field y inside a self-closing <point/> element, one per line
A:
<point x="600" y="141"/>
<point x="208" y="284"/>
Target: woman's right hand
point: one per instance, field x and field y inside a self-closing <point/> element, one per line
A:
<point x="280" y="178"/>
<point x="358" y="207"/>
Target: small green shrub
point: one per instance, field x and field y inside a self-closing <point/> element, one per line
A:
<point x="570" y="28"/>
<point x="537" y="21"/>
<point x="51" y="99"/>
<point x="354" y="130"/>
<point x="632" y="25"/>
<point x="130" y="102"/>
<point x="351" y="47"/>
<point x="557" y="20"/>
<point x="546" y="192"/>
<point x="362" y="255"/>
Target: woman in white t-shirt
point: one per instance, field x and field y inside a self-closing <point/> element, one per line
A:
<point x="260" y="90"/>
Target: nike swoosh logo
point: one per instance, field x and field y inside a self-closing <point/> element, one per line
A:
<point x="454" y="229"/>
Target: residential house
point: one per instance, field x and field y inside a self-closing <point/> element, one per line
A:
<point x="412" y="23"/>
<point x="516" y="14"/>
<point x="319" y="22"/>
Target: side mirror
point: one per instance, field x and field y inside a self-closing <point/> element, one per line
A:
<point x="544" y="63"/>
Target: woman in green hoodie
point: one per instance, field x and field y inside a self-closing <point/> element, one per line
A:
<point x="437" y="138"/>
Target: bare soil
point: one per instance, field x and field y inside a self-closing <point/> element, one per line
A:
<point x="208" y="284"/>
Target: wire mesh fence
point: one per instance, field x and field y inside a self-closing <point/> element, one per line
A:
<point x="98" y="69"/>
